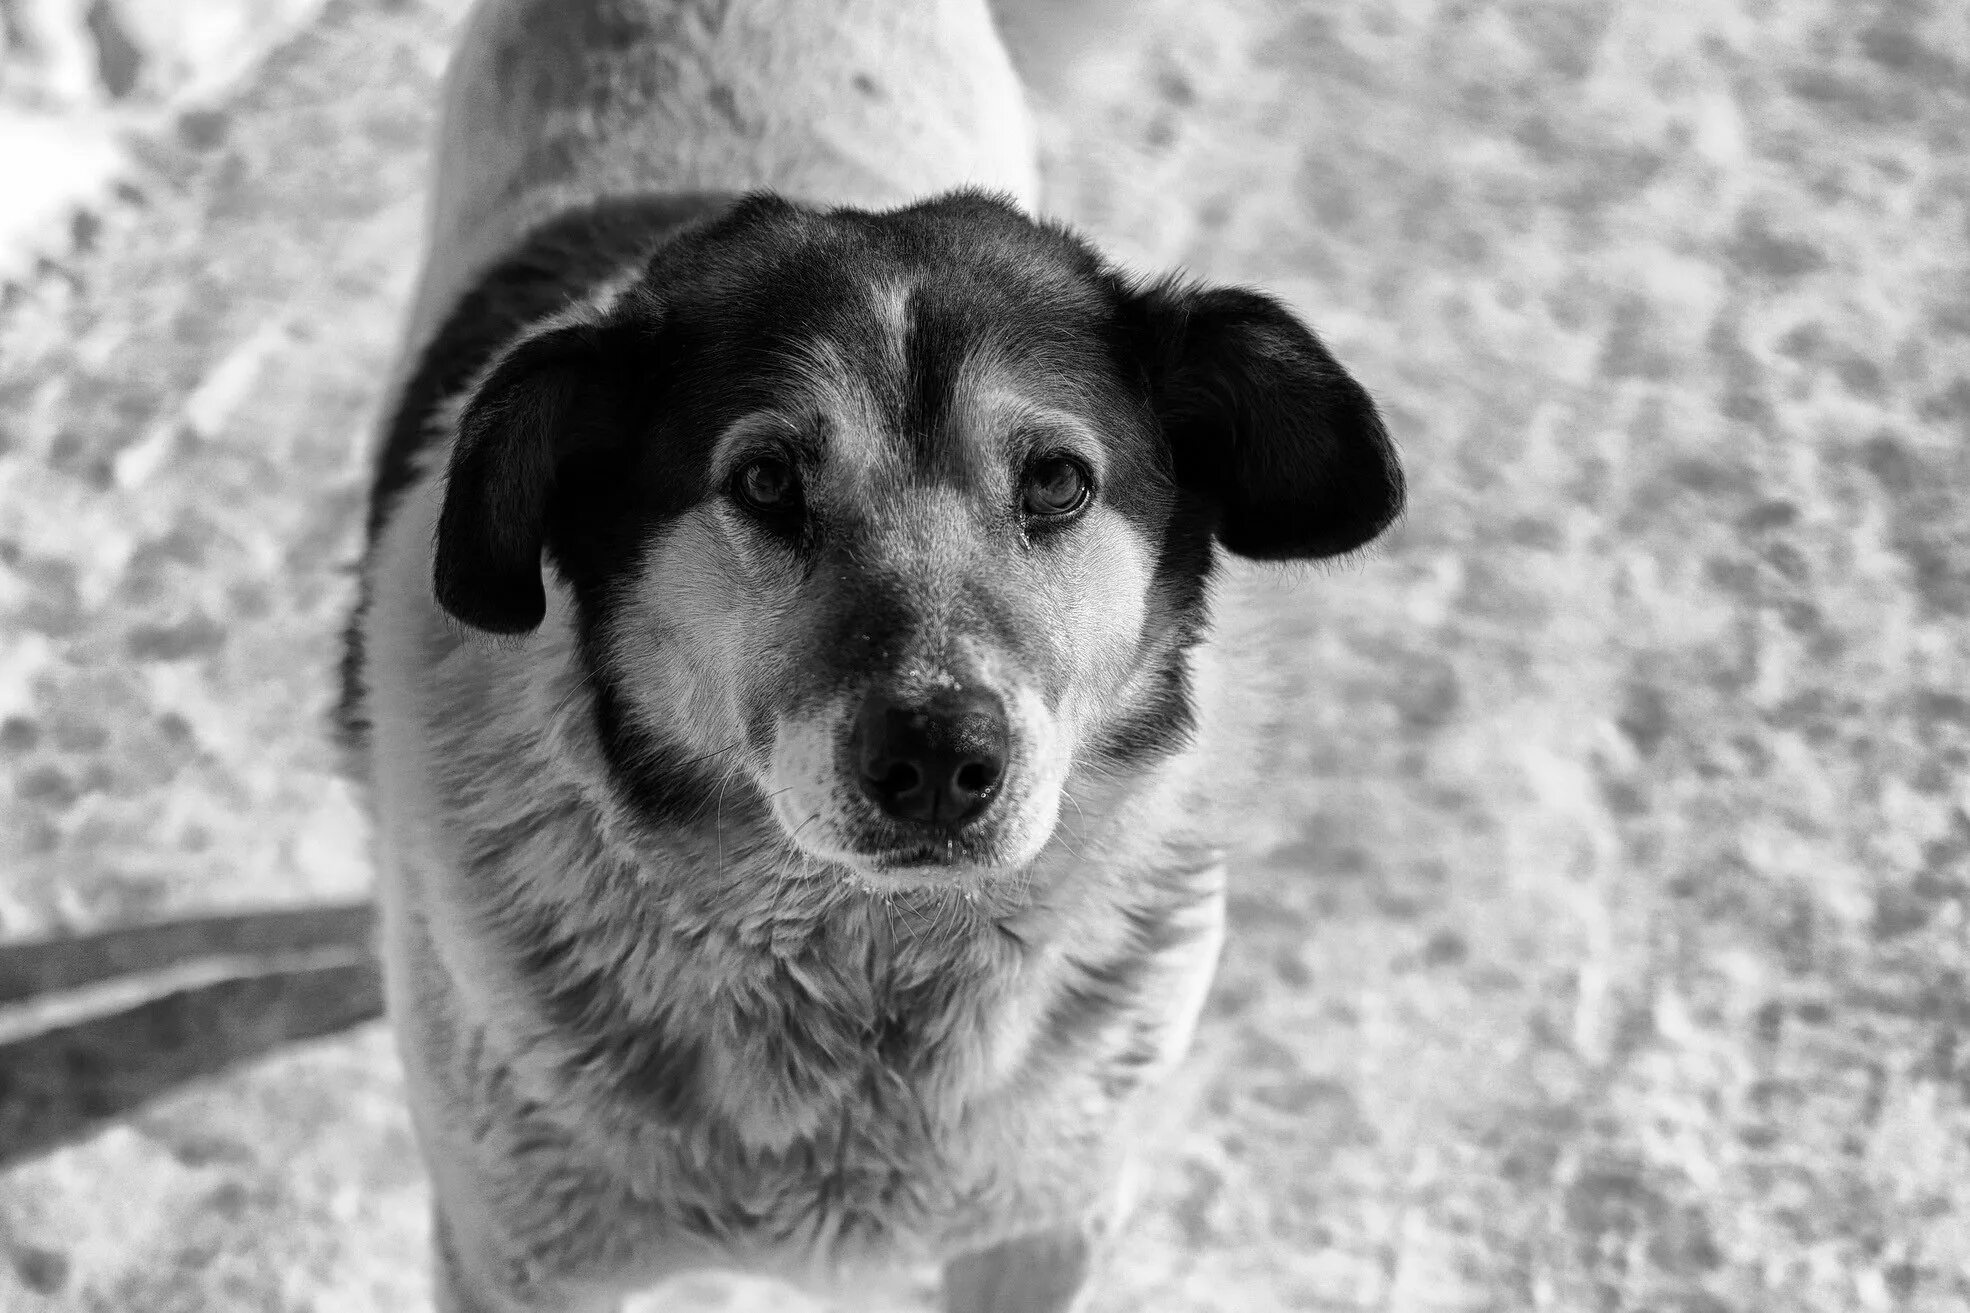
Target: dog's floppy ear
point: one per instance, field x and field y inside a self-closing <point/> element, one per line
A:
<point x="1266" y="424"/>
<point x="549" y="398"/>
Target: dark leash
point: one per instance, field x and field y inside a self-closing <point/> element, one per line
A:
<point x="92" y="1027"/>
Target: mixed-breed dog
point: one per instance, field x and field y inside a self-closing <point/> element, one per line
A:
<point x="785" y="683"/>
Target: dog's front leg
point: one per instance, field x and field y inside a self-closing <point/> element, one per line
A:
<point x="1041" y="1273"/>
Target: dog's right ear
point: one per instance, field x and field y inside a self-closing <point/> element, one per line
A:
<point x="549" y="398"/>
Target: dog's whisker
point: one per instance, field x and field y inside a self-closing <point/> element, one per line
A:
<point x="715" y="752"/>
<point x="782" y="878"/>
<point x="1068" y="794"/>
<point x="1060" y="831"/>
<point x="795" y="832"/>
<point x="888" y="906"/>
<point x="889" y="901"/>
<point x="718" y="825"/>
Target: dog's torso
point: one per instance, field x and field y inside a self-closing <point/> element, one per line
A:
<point x="552" y="106"/>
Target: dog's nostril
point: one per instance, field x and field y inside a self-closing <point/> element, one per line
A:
<point x="978" y="776"/>
<point x="901" y="777"/>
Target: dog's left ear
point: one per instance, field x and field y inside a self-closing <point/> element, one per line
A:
<point x="1266" y="424"/>
<point x="549" y="399"/>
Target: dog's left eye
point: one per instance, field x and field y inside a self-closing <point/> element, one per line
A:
<point x="1056" y="486"/>
<point x="768" y="484"/>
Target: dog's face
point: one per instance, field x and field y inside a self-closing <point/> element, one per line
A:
<point x="902" y="520"/>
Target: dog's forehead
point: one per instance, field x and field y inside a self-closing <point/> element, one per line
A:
<point x="893" y="337"/>
<point x="940" y="273"/>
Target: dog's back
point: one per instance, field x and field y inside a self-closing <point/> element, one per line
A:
<point x="551" y="105"/>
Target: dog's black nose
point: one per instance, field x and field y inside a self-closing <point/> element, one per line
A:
<point x="937" y="762"/>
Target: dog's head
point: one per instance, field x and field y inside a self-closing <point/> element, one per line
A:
<point x="905" y="518"/>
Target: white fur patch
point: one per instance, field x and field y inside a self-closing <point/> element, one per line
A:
<point x="809" y="796"/>
<point x="688" y="636"/>
<point x="1104" y="577"/>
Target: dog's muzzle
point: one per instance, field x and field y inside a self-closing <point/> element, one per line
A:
<point x="935" y="763"/>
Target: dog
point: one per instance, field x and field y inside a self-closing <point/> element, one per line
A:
<point x="784" y="680"/>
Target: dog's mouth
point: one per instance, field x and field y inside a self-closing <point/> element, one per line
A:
<point x="925" y="856"/>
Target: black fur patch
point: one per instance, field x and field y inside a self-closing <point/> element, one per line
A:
<point x="663" y="784"/>
<point x="1158" y="726"/>
<point x="553" y="267"/>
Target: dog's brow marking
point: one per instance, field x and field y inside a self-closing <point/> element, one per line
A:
<point x="1001" y="417"/>
<point x="892" y="303"/>
<point x="839" y="389"/>
<point x="743" y="428"/>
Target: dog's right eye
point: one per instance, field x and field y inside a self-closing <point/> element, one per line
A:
<point x="1056" y="488"/>
<point x="767" y="484"/>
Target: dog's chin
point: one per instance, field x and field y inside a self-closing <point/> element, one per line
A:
<point x="881" y="859"/>
<point x="884" y="864"/>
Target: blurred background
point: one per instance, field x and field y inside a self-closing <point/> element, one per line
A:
<point x="1605" y="948"/>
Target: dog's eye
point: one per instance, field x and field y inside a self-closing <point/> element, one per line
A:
<point x="768" y="484"/>
<point x="1056" y="486"/>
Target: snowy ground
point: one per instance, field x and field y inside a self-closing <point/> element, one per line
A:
<point x="1605" y="945"/>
